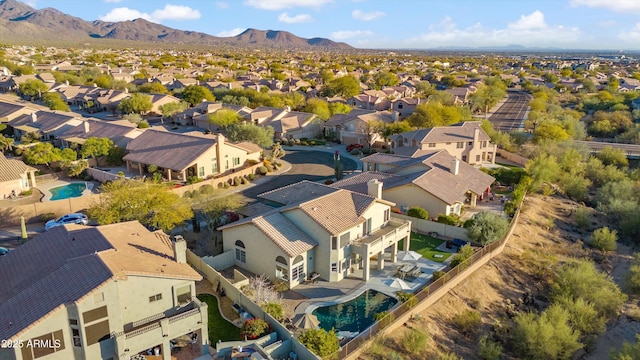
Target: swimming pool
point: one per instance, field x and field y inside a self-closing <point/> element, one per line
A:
<point x="67" y="191"/>
<point x="354" y="315"/>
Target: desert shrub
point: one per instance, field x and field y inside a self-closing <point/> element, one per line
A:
<point x="251" y="177"/>
<point x="262" y="170"/>
<point x="467" y="321"/>
<point x="194" y="180"/>
<point x="269" y="168"/>
<point x="280" y="285"/>
<point x="440" y="274"/>
<point x="487" y="228"/>
<point x="251" y="162"/>
<point x="629" y="351"/>
<point x="236" y="181"/>
<point x="291" y="142"/>
<point x="452" y="219"/>
<point x="320" y="341"/>
<point x="206" y="189"/>
<point x="414" y="341"/>
<point x="583" y="218"/>
<point x="47" y="216"/>
<point x="243" y="180"/>
<point x="143" y="124"/>
<point x="463" y="255"/>
<point x="226" y="185"/>
<point x="384" y="318"/>
<point x="407" y="297"/>
<point x="255" y="328"/>
<point x="583" y="316"/>
<point x="603" y="239"/>
<point x="418" y="212"/>
<point x="187" y="194"/>
<point x="633" y="277"/>
<point x="312" y="143"/>
<point x="488" y="349"/>
<point x="220" y="185"/>
<point x="274" y="309"/>
<point x="296" y="141"/>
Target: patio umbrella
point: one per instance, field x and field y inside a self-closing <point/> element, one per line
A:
<point x="307" y="321"/>
<point x="408" y="256"/>
<point x="399" y="284"/>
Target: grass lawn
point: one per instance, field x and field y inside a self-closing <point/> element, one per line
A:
<point x="219" y="327"/>
<point x="510" y="166"/>
<point x="426" y="246"/>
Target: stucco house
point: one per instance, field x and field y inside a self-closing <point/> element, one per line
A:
<point x="104" y="292"/>
<point x="48" y="124"/>
<point x="10" y="111"/>
<point x="466" y="141"/>
<point x="287" y="124"/>
<point x="180" y="156"/>
<point x="353" y="128"/>
<point x="120" y="132"/>
<point x="316" y="229"/>
<point x="15" y="176"/>
<point x="437" y="182"/>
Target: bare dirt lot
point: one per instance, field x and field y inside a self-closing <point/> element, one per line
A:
<point x="546" y="234"/>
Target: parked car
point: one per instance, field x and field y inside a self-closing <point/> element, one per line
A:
<point x="354" y="146"/>
<point x="4" y="250"/>
<point x="75" y="218"/>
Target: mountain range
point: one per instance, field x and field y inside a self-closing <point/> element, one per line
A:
<point x="20" y="23"/>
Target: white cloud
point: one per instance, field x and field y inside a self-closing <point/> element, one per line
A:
<point x="615" y="5"/>
<point x="176" y="12"/>
<point x="232" y="32"/>
<point x="32" y="3"/>
<point x="285" y="4"/>
<point x="607" y="23"/>
<point x="113" y="1"/>
<point x="528" y="30"/>
<point x="348" y="34"/>
<point x="296" y="19"/>
<point x="222" y="4"/>
<point x="366" y="16"/>
<point x="631" y="35"/>
<point x="169" y="12"/>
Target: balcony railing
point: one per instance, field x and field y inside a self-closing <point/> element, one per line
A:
<point x="152" y="322"/>
<point x="389" y="232"/>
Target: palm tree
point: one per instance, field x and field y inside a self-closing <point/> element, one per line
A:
<point x="6" y="143"/>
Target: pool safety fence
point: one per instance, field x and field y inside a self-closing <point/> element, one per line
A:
<point x="426" y="296"/>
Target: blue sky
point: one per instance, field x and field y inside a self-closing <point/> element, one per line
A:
<point x="397" y="24"/>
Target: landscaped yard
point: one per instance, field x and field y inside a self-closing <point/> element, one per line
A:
<point x="426" y="246"/>
<point x="219" y="327"/>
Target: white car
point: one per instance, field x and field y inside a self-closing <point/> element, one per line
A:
<point x="75" y="218"/>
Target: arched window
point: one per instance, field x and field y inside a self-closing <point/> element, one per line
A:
<point x="281" y="260"/>
<point x="241" y="253"/>
<point x="282" y="268"/>
<point x="297" y="269"/>
<point x="297" y="259"/>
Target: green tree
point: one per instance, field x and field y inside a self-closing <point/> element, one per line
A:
<point x="339" y="108"/>
<point x="629" y="351"/>
<point x="487" y="227"/>
<point x="318" y="107"/>
<point x="76" y="168"/>
<point x="33" y="88"/>
<point x="137" y="103"/>
<point x="418" y="212"/>
<point x="435" y="114"/>
<point x="488" y="349"/>
<point x="42" y="153"/>
<point x="548" y="130"/>
<point x="610" y="156"/>
<point x="274" y="309"/>
<point x="224" y="118"/>
<point x="604" y="239"/>
<point x="543" y="169"/>
<point x="385" y="78"/>
<point x="95" y="147"/>
<point x="172" y="108"/>
<point x="195" y="94"/>
<point x="153" y="87"/>
<point x="152" y="204"/>
<point x="461" y="256"/>
<point x="213" y="206"/>
<point x="261" y="136"/>
<point x="545" y="336"/>
<point x="396" y="128"/>
<point x="345" y="86"/>
<point x="55" y="102"/>
<point x="583" y="316"/>
<point x="6" y="143"/>
<point x="321" y="342"/>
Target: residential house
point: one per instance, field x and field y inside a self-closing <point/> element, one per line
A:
<point x="406" y="106"/>
<point x="157" y="100"/>
<point x="181" y="156"/>
<point x="103" y="292"/>
<point x="48" y="124"/>
<point x="10" y="111"/>
<point x="460" y="94"/>
<point x="368" y="102"/>
<point x="199" y="115"/>
<point x="355" y="127"/>
<point x="287" y="124"/>
<point x="466" y="141"/>
<point x="15" y="176"/>
<point x="436" y="181"/>
<point x="120" y="132"/>
<point x="335" y="233"/>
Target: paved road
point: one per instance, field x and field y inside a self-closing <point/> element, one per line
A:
<point x="632" y="151"/>
<point x="511" y="115"/>
<point x="305" y="165"/>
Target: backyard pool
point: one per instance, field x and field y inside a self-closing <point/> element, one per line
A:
<point x="67" y="191"/>
<point x="354" y="315"/>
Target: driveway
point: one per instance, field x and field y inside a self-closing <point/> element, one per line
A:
<point x="305" y="165"/>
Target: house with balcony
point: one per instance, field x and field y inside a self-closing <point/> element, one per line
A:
<point x="466" y="141"/>
<point x="316" y="231"/>
<point x="437" y="182"/>
<point x="104" y="292"/>
<point x="180" y="156"/>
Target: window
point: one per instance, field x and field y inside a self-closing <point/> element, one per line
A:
<point x="432" y="145"/>
<point x="241" y="254"/>
<point x="282" y="272"/>
<point x="226" y="164"/>
<point x="201" y="171"/>
<point x="477" y="158"/>
<point x="400" y="106"/>
<point x="156" y="297"/>
<point x="75" y="335"/>
<point x="236" y="161"/>
<point x="183" y="294"/>
<point x="366" y="227"/>
<point x="484" y="144"/>
<point x="459" y="145"/>
<point x="387" y="214"/>
<point x="334" y="243"/>
<point x="470" y="143"/>
<point x="464" y="158"/>
<point x="95" y="314"/>
<point x="297" y="272"/>
<point x="448" y="143"/>
<point x="334" y="267"/>
<point x="344" y="239"/>
<point x="214" y="165"/>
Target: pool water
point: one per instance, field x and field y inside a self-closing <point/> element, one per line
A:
<point x="354" y="315"/>
<point x="67" y="191"/>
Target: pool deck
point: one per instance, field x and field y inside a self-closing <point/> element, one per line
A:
<point x="325" y="293"/>
<point x="90" y="188"/>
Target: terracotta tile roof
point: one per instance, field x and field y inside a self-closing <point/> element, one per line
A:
<point x="338" y="211"/>
<point x="284" y="233"/>
<point x="45" y="121"/>
<point x="358" y="182"/>
<point x="457" y="132"/>
<point x="98" y="128"/>
<point x="12" y="169"/>
<point x="254" y="209"/>
<point x="7" y="109"/>
<point x="168" y="150"/>
<point x="65" y="263"/>
<point x="296" y="193"/>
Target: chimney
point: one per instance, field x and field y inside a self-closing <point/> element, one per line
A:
<point x="34" y="117"/>
<point x="374" y="188"/>
<point x="229" y="85"/>
<point x="180" y="249"/>
<point x="86" y="127"/>
<point x="455" y="166"/>
<point x="220" y="139"/>
<point x="476" y="136"/>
